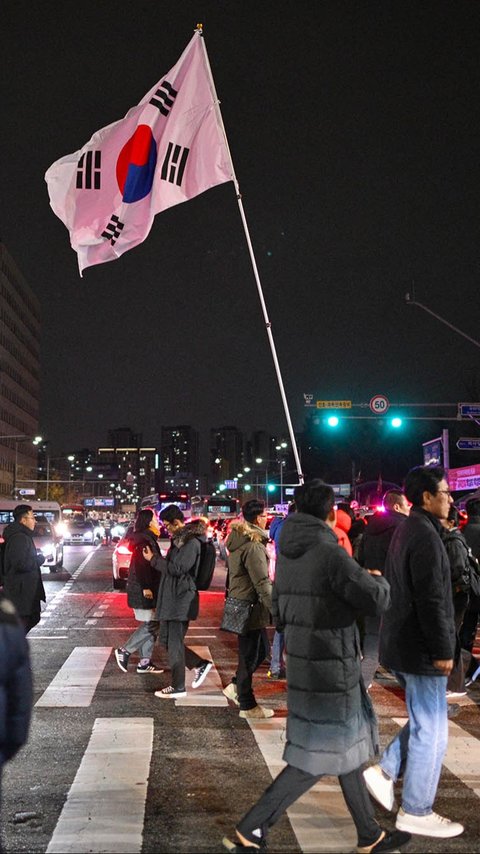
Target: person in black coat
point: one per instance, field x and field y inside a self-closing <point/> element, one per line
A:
<point x="417" y="643"/>
<point x="459" y="555"/>
<point x="142" y="589"/>
<point x="178" y="599"/>
<point x="319" y="591"/>
<point x="372" y="554"/>
<point x="22" y="582"/>
<point x="15" y="684"/>
<point x="471" y="532"/>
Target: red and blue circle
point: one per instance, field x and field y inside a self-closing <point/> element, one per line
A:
<point x="136" y="165"/>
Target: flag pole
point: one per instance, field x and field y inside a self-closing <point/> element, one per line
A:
<point x="268" y="325"/>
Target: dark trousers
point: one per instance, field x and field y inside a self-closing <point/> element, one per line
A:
<point x="291" y="784"/>
<point x="252" y="651"/>
<point x="30" y="621"/>
<point x="456" y="680"/>
<point x="179" y="656"/>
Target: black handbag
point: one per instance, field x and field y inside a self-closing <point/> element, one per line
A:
<point x="236" y="615"/>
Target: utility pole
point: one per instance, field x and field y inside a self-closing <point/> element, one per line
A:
<point x="410" y="300"/>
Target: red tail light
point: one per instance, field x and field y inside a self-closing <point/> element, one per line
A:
<point x="124" y="550"/>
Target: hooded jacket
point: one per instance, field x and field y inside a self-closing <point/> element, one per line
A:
<point x="141" y="575"/>
<point x="177" y="594"/>
<point x="248" y="571"/>
<point x="372" y="552"/>
<point x="21" y="567"/>
<point x="419" y="627"/>
<point x="318" y="594"/>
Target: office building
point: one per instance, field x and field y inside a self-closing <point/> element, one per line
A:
<point x="19" y="377"/>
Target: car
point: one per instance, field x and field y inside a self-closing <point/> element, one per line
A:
<point x="48" y="544"/>
<point x="122" y="555"/>
<point x="81" y="531"/>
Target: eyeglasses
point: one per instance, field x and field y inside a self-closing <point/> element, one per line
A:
<point x="443" y="491"/>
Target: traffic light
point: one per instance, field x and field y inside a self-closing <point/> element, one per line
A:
<point x="396" y="422"/>
<point x="333" y="421"/>
<point x="271" y="487"/>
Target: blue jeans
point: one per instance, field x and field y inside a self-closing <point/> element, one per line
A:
<point x="277" y="663"/>
<point x="420" y="746"/>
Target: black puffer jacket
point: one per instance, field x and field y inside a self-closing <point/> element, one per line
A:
<point x="318" y="593"/>
<point x="22" y="577"/>
<point x="471" y="532"/>
<point x="141" y="575"/>
<point x="376" y="539"/>
<point x="15" y="682"/>
<point x="177" y="594"/>
<point x="419" y="627"/>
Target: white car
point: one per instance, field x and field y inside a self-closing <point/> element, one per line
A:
<point x="84" y="532"/>
<point x="49" y="544"/>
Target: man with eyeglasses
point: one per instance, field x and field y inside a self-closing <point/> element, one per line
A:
<point x="417" y="643"/>
<point x="22" y="579"/>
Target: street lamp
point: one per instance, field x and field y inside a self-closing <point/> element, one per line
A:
<point x="19" y="437"/>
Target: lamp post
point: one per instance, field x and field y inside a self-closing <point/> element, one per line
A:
<point x="19" y="437"/>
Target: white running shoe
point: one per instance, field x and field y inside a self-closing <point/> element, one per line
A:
<point x="428" y="825"/>
<point x="380" y="787"/>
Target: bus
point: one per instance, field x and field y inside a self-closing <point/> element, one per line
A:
<point x="215" y="507"/>
<point x="159" y="500"/>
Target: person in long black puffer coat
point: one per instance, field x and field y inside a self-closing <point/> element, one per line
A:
<point x="142" y="590"/>
<point x="16" y="691"/>
<point x="318" y="594"/>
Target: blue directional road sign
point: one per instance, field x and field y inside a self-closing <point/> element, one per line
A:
<point x="469" y="409"/>
<point x="468" y="444"/>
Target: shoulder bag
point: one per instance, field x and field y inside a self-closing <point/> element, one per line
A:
<point x="236" y="615"/>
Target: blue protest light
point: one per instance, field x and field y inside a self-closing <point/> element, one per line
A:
<point x="396" y="422"/>
<point x="333" y="421"/>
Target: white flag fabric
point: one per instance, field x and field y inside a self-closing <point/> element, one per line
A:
<point x="167" y="149"/>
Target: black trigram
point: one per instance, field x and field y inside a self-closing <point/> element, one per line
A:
<point x="174" y="164"/>
<point x="164" y="98"/>
<point x="88" y="171"/>
<point x="113" y="230"/>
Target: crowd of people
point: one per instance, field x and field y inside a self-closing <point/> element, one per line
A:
<point x="347" y="600"/>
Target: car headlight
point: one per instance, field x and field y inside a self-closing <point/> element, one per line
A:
<point x="88" y="535"/>
<point x="48" y="549"/>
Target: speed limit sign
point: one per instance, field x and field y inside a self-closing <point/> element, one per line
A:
<point x="379" y="404"/>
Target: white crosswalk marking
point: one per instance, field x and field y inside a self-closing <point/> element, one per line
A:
<point x="207" y="694"/>
<point x="77" y="679"/>
<point x="320" y="819"/>
<point x="104" y="810"/>
<point x="462" y="757"/>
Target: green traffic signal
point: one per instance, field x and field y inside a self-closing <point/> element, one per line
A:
<point x="333" y="421"/>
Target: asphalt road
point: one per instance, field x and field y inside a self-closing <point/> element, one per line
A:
<point x="110" y="768"/>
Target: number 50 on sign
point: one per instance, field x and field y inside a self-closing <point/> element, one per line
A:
<point x="379" y="404"/>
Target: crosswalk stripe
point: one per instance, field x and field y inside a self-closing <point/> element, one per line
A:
<point x="462" y="757"/>
<point x="320" y="819"/>
<point x="207" y="694"/>
<point x="105" y="807"/>
<point x="77" y="679"/>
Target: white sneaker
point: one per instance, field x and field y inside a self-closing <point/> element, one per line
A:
<point x="451" y="694"/>
<point x="380" y="787"/>
<point x="428" y="825"/>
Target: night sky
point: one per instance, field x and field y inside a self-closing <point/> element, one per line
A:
<point x="354" y="132"/>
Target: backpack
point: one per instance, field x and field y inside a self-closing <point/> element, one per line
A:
<point x="206" y="566"/>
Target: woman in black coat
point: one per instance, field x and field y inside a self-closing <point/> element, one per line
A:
<point x="142" y="589"/>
